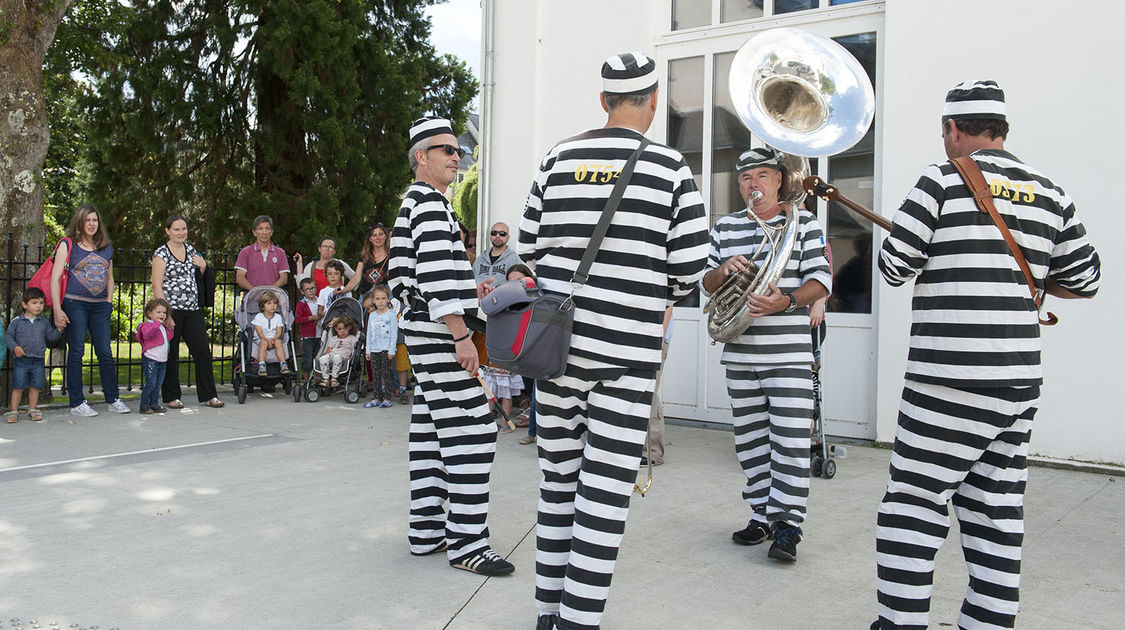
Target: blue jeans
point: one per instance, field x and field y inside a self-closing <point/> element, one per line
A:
<point x="92" y="317"/>
<point x="154" y="377"/>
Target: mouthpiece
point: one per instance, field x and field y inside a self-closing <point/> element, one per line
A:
<point x="755" y="196"/>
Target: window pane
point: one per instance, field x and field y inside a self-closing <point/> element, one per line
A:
<point x="729" y="138"/>
<point x="690" y="13"/>
<point x="836" y="2"/>
<point x="791" y="6"/>
<point x="734" y="10"/>
<point x="685" y="122"/>
<point x="853" y="173"/>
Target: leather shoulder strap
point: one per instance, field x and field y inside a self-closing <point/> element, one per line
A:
<point x="982" y="195"/>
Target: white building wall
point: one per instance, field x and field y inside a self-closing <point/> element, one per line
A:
<point x="1054" y="63"/>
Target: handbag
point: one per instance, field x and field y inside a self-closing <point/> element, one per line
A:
<point x="528" y="332"/>
<point x="41" y="279"/>
<point x="982" y="194"/>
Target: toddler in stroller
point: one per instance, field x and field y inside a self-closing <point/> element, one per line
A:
<point x="264" y="322"/>
<point x="340" y="361"/>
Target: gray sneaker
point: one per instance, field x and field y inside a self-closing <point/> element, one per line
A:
<point x="119" y="407"/>
<point x="83" y="410"/>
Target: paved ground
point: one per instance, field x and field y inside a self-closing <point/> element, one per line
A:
<point x="284" y="516"/>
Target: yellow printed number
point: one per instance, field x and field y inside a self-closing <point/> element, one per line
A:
<point x="1016" y="192"/>
<point x="595" y="172"/>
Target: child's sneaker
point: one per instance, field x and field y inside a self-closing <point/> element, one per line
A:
<point x="371" y="403"/>
<point x="284" y="369"/>
<point x="83" y="409"/>
<point x="261" y="369"/>
<point x="385" y="404"/>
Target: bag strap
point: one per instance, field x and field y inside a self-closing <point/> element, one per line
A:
<point x="982" y="195"/>
<point x="581" y="274"/>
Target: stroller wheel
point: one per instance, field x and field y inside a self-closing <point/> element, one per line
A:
<point x="312" y="395"/>
<point x="829" y="469"/>
<point x="351" y="397"/>
<point x="817" y="465"/>
<point x="242" y="393"/>
<point x="297" y="393"/>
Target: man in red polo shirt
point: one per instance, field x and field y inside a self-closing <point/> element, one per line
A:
<point x="261" y="263"/>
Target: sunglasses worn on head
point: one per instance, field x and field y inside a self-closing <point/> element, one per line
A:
<point x="448" y="148"/>
<point x="499" y="233"/>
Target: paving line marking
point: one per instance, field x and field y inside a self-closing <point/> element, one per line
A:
<point x="130" y="453"/>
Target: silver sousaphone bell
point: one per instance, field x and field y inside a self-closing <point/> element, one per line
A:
<point x="806" y="96"/>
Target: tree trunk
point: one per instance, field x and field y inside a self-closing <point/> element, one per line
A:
<point x="27" y="28"/>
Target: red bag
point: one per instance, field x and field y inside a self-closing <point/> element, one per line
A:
<point x="42" y="278"/>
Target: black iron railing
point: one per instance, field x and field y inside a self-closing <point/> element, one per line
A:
<point x="132" y="270"/>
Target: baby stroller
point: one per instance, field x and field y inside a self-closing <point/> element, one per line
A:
<point x="822" y="464"/>
<point x="246" y="376"/>
<point x="350" y="379"/>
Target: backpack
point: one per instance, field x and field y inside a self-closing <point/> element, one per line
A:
<point x="527" y="332"/>
<point x="41" y="279"/>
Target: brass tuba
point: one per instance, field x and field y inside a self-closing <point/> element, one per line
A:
<point x="805" y="96"/>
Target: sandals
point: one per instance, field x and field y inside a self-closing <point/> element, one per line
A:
<point x="175" y="404"/>
<point x="13" y="417"/>
<point x="527" y="439"/>
<point x="35" y="415"/>
<point x="214" y="403"/>
<point x="504" y="429"/>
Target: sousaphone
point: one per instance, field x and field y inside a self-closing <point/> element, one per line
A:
<point x="805" y="96"/>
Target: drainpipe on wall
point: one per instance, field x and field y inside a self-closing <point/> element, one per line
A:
<point x="488" y="54"/>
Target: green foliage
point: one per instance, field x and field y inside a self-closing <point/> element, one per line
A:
<point x="221" y="111"/>
<point x="465" y="199"/>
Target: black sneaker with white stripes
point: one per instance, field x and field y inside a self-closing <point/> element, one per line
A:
<point x="484" y="562"/>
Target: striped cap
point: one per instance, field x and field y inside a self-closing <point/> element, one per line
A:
<point x="755" y="158"/>
<point x="428" y="126"/>
<point x="974" y="99"/>
<point x="629" y="73"/>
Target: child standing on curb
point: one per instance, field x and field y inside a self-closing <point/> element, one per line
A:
<point x="27" y="338"/>
<point x="308" y="313"/>
<point x="382" y="337"/>
<point x="154" y="335"/>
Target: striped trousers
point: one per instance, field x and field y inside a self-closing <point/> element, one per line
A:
<point x="590" y="432"/>
<point x="968" y="446"/>
<point x="452" y="445"/>
<point x="772" y="407"/>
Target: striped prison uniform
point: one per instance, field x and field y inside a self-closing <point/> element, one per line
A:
<point x="972" y="381"/>
<point x="591" y="420"/>
<point x="452" y="436"/>
<point x="769" y="372"/>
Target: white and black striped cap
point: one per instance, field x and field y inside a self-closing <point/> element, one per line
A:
<point x="428" y="126"/>
<point x="974" y="99"/>
<point x="629" y="73"/>
<point x="755" y="158"/>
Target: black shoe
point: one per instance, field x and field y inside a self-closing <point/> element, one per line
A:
<point x="484" y="562"/>
<point x="440" y="547"/>
<point x="754" y="534"/>
<point x="546" y="622"/>
<point x="784" y="545"/>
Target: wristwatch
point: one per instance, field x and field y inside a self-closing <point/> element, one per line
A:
<point x="792" y="303"/>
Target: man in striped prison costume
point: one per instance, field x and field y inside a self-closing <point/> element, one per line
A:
<point x="592" y="419"/>
<point x="973" y="370"/>
<point x="769" y="365"/>
<point x="452" y="436"/>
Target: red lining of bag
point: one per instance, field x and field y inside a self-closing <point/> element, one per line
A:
<point x="525" y="321"/>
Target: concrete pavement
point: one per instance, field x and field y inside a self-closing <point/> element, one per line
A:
<point x="291" y="516"/>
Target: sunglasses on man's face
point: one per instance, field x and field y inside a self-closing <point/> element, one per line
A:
<point x="448" y="148"/>
<point x="499" y="233"/>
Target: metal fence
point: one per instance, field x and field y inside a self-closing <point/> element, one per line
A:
<point x="132" y="271"/>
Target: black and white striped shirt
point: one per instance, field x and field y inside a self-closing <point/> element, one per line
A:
<point x="975" y="323"/>
<point x="652" y="255"/>
<point x="429" y="269"/>
<point x="777" y="338"/>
